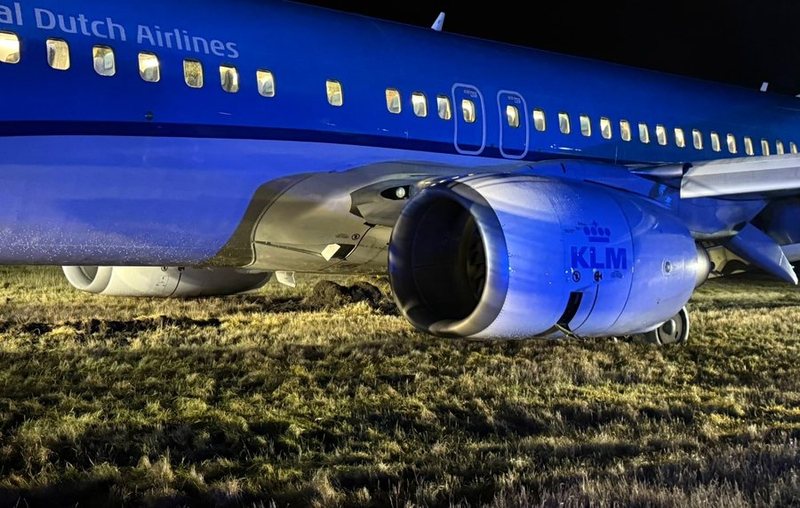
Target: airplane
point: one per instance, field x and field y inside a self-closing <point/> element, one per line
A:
<point x="179" y="149"/>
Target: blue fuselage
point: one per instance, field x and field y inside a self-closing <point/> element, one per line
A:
<point x="118" y="169"/>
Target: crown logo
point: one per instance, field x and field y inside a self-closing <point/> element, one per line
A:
<point x="596" y="233"/>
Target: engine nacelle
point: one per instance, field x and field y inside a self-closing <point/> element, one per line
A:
<point x="519" y="256"/>
<point x="163" y="282"/>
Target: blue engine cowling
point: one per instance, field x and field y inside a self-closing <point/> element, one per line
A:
<point x="511" y="256"/>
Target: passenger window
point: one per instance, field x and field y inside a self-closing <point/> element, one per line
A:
<point x="420" y="104"/>
<point x="104" y="63"/>
<point x="539" y="122"/>
<point x="266" y="83"/>
<point x="748" y="146"/>
<point x="563" y="123"/>
<point x="715" y="144"/>
<point x="697" y="139"/>
<point x="149" y="68"/>
<point x="193" y="73"/>
<point x="625" y="130"/>
<point x="334" y="91"/>
<point x="661" y="135"/>
<point x="605" y="128"/>
<point x="512" y="116"/>
<point x="393" y="103"/>
<point x="644" y="133"/>
<point x="764" y="147"/>
<point x="680" y="139"/>
<point x="9" y="48"/>
<point x="731" y="139"/>
<point x="468" y="110"/>
<point x="793" y="147"/>
<point x="779" y="150"/>
<point x="586" y="125"/>
<point x="229" y="78"/>
<point x="58" y="54"/>
<point x="443" y="106"/>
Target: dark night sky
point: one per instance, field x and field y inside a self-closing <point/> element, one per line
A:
<point x="743" y="42"/>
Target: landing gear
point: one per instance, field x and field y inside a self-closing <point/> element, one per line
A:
<point x="673" y="331"/>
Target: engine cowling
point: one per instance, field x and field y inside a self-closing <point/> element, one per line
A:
<point x="507" y="256"/>
<point x="163" y="282"/>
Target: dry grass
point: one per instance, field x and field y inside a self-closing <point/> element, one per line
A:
<point x="274" y="399"/>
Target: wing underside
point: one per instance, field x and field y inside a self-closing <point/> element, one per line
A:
<point x="769" y="176"/>
<point x="764" y="178"/>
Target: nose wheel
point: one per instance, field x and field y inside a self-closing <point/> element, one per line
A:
<point x="673" y="331"/>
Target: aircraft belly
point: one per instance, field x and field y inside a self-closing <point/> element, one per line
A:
<point x="163" y="201"/>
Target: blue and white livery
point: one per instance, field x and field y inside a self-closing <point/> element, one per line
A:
<point x="190" y="148"/>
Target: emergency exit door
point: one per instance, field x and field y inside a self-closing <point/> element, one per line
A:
<point x="470" y="119"/>
<point x="514" y="125"/>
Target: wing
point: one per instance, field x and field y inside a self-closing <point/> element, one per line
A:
<point x="743" y="177"/>
<point x="762" y="176"/>
<point x="767" y="178"/>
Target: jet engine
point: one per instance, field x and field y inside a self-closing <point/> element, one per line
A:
<point x="163" y="282"/>
<point x="512" y="256"/>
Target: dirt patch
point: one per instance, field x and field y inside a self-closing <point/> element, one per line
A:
<point x="328" y="294"/>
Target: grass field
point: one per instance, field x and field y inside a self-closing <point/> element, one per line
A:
<point x="286" y="399"/>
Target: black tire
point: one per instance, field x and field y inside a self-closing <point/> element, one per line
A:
<point x="672" y="331"/>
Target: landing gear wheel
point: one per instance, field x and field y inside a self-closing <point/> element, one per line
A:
<point x="673" y="331"/>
